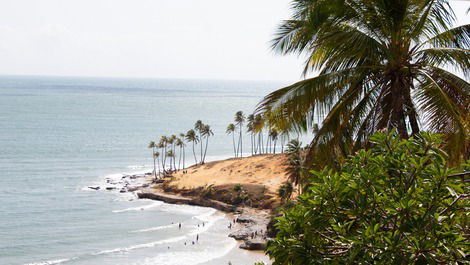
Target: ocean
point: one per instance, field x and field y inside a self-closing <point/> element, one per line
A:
<point x="60" y="135"/>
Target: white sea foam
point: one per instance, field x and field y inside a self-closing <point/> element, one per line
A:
<point x="140" y="246"/>
<point x="140" y="208"/>
<point x="189" y="257"/>
<point x="208" y="218"/>
<point x="51" y="262"/>
<point x="156" y="228"/>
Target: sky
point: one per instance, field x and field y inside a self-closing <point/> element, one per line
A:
<point x="184" y="39"/>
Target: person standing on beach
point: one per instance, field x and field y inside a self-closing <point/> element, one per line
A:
<point x="179" y="226"/>
<point x="197" y="237"/>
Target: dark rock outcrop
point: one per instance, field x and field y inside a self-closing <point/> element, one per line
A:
<point x="245" y="219"/>
<point x="254" y="244"/>
<point x="241" y="234"/>
<point x="173" y="199"/>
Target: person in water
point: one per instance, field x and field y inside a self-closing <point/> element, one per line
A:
<point x="179" y="226"/>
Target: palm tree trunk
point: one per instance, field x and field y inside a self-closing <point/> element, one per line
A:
<point x="161" y="159"/>
<point x="259" y="142"/>
<point x="154" y="166"/>
<point x="158" y="167"/>
<point x="174" y="156"/>
<point x="194" y="153"/>
<point x="251" y="139"/>
<point x="169" y="162"/>
<point x="268" y="146"/>
<point x="233" y="140"/>
<point x="164" y="158"/>
<point x="200" y="137"/>
<point x="241" y="143"/>
<point x="205" y="151"/>
<point x="179" y="160"/>
<point x="274" y="146"/>
<point x="282" y="144"/>
<point x="184" y="155"/>
<point x="174" y="162"/>
<point x="254" y="143"/>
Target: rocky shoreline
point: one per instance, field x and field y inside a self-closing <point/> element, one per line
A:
<point x="249" y="225"/>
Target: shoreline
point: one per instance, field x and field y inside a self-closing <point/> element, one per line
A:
<point x="257" y="175"/>
<point x="249" y="224"/>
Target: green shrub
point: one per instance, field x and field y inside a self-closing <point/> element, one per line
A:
<point x="390" y="204"/>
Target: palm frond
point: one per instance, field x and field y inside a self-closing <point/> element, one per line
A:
<point x="457" y="58"/>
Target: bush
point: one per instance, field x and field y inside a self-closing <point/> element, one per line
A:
<point x="391" y="204"/>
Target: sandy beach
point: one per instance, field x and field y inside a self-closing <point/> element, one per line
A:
<point x="259" y="176"/>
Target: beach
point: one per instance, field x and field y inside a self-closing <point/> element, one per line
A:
<point x="259" y="175"/>
<point x="59" y="136"/>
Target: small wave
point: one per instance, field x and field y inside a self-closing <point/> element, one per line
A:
<point x="189" y="257"/>
<point x="139" y="246"/>
<point x="140" y="208"/>
<point x="155" y="228"/>
<point x="51" y="262"/>
<point x="208" y="218"/>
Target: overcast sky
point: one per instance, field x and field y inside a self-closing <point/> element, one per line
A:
<point x="203" y="39"/>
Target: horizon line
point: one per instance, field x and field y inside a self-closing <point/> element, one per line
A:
<point x="146" y="78"/>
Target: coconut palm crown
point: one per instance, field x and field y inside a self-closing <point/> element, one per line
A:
<point x="380" y="64"/>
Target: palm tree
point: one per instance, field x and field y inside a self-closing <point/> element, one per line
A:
<point x="258" y="125"/>
<point x="274" y="136"/>
<point x="239" y="119"/>
<point x="250" y="129"/>
<point x="164" y="143"/>
<point x="198" y="127"/>
<point x="161" y="146"/>
<point x="180" y="144"/>
<point x="171" y="141"/>
<point x="206" y="132"/>
<point x="155" y="157"/>
<point x="381" y="64"/>
<point x="296" y="161"/>
<point x="182" y="136"/>
<point x="231" y="130"/>
<point x="285" y="192"/>
<point x="171" y="155"/>
<point x="153" y="145"/>
<point x="192" y="137"/>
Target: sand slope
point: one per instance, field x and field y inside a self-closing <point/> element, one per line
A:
<point x="269" y="170"/>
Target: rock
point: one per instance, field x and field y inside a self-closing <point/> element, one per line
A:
<point x="241" y="234"/>
<point x="245" y="219"/>
<point x="123" y="190"/>
<point x="254" y="244"/>
<point x="94" y="187"/>
<point x="148" y="174"/>
<point x="132" y="189"/>
<point x="110" y="188"/>
<point x="159" y="181"/>
<point x="168" y="198"/>
<point x="145" y="185"/>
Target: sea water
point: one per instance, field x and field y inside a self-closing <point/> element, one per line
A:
<point x="58" y="136"/>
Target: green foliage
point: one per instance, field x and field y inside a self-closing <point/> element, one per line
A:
<point x="207" y="191"/>
<point x="238" y="188"/>
<point x="390" y="204"/>
<point x="368" y="56"/>
<point x="285" y="192"/>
